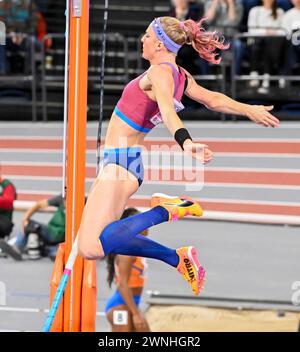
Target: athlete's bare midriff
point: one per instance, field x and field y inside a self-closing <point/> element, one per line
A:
<point x="136" y="291"/>
<point x="120" y="135"/>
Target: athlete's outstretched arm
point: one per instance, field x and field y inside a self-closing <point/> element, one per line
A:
<point x="163" y="87"/>
<point x="221" y="103"/>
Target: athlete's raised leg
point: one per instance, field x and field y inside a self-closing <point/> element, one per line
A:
<point x="103" y="210"/>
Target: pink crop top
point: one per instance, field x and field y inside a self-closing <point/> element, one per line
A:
<point x="141" y="112"/>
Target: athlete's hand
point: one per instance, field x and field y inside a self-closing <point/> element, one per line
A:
<point x="198" y="151"/>
<point x="260" y="115"/>
<point x="140" y="322"/>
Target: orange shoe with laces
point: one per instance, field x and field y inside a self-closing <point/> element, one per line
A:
<point x="190" y="268"/>
<point x="178" y="207"/>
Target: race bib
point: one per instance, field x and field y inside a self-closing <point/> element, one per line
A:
<point x="120" y="317"/>
<point x="156" y="119"/>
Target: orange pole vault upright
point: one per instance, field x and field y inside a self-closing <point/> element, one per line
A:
<point x="76" y="148"/>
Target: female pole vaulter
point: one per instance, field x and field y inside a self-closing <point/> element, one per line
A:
<point x="151" y="98"/>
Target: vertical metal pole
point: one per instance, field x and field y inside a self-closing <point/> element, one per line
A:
<point x="233" y="82"/>
<point x="33" y="85"/>
<point x="65" y="97"/>
<point x="223" y="86"/>
<point x="44" y="93"/>
<point x="102" y="84"/>
<point x="126" y="64"/>
<point x="233" y="77"/>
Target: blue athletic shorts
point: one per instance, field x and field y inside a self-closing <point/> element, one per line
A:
<point x="116" y="299"/>
<point x="129" y="158"/>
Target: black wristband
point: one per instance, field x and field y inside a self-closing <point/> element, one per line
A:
<point x="181" y="135"/>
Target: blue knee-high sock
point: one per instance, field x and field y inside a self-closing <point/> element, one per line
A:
<point x="122" y="237"/>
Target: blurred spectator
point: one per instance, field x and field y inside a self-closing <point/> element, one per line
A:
<point x="248" y="5"/>
<point x="225" y="16"/>
<point x="284" y="4"/>
<point x="187" y="57"/>
<point x="266" y="52"/>
<point x="291" y="23"/>
<point x="20" y="18"/>
<point x="7" y="196"/>
<point x="185" y="9"/>
<point x="41" y="31"/>
<point x="40" y="235"/>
